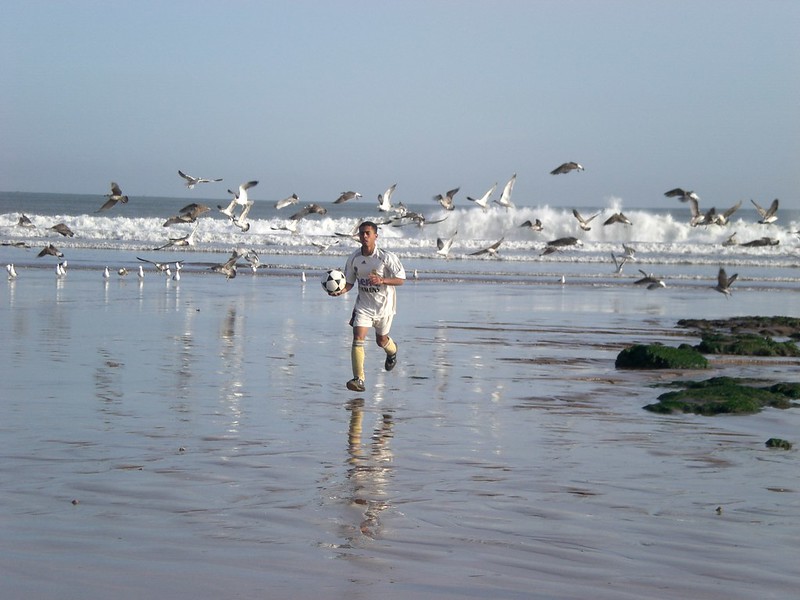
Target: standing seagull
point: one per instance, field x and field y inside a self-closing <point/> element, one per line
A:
<point x="767" y="216"/>
<point x="505" y="197"/>
<point x="193" y="181"/>
<point x="724" y="282"/>
<point x="447" y="200"/>
<point x="239" y="199"/>
<point x="114" y="197"/>
<point x="584" y="223"/>
<point x="483" y="201"/>
<point x="12" y="272"/>
<point x="345" y="196"/>
<point x="566" y="168"/>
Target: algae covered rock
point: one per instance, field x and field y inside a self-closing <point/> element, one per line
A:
<point x="778" y="443"/>
<point x="746" y="344"/>
<point x="722" y="395"/>
<point x="657" y="356"/>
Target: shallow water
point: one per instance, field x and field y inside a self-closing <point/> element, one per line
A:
<point x="203" y="429"/>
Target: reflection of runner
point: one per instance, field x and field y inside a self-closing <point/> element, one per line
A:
<point x="377" y="272"/>
<point x="369" y="472"/>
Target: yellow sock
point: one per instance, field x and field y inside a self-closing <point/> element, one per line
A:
<point x="390" y="347"/>
<point x="357" y="358"/>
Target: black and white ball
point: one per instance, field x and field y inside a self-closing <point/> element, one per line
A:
<point x="333" y="281"/>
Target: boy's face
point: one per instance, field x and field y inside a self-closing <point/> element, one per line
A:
<point x="367" y="236"/>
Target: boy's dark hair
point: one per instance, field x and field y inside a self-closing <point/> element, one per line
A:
<point x="368" y="224"/>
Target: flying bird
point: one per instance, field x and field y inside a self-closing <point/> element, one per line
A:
<point x="63" y="230"/>
<point x="12" y="272"/>
<point x="160" y="267"/>
<point x="584" y="223"/>
<point x="767" y="216"/>
<point x="193" y="181"/>
<point x="505" y="197"/>
<point x="443" y="246"/>
<point x="239" y="199"/>
<point x="385" y="199"/>
<point x="186" y="240"/>
<point x="651" y="280"/>
<point x="228" y="268"/>
<point x="447" y="200"/>
<point x="559" y="244"/>
<point x="566" y="168"/>
<point x="50" y="250"/>
<point x="682" y="195"/>
<point x="699" y="218"/>
<point x="617" y="218"/>
<point x="188" y="214"/>
<point x="535" y="225"/>
<point x="483" y="201"/>
<point x="722" y="218"/>
<point x="114" y="197"/>
<point x="724" y="282"/>
<point x="345" y="196"/>
<point x="293" y="199"/>
<point x="309" y="209"/>
<point x="24" y="221"/>
<point x="491" y="250"/>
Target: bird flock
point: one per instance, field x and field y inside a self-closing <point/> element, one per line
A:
<point x="240" y="205"/>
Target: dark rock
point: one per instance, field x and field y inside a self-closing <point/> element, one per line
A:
<point x="778" y="443"/>
<point x="722" y="395"/>
<point x="657" y="356"/>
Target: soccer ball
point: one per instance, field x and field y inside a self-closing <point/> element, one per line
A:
<point x="333" y="281"/>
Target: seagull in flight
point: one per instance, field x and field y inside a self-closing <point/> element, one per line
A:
<point x="651" y="280"/>
<point x="24" y="221"/>
<point x="309" y="209"/>
<point x="483" y="201"/>
<point x="447" y="200"/>
<point x="160" y="267"/>
<point x="566" y="168"/>
<point x="682" y="195"/>
<point x="186" y="240"/>
<point x="188" y="214"/>
<point x="193" y="181"/>
<point x="535" y="225"/>
<point x="560" y="243"/>
<point x="62" y="229"/>
<point x="228" y="268"/>
<point x="491" y="250"/>
<point x="345" y="196"/>
<point x="722" y="218"/>
<point x="767" y="216"/>
<point x="293" y="199"/>
<point x="584" y="223"/>
<point x="114" y="197"/>
<point x="239" y="199"/>
<point x="385" y="199"/>
<point x="724" y="282"/>
<point x="12" y="272"/>
<point x="50" y="250"/>
<point x="505" y="197"/>
<point x="443" y="246"/>
<point x="617" y="218"/>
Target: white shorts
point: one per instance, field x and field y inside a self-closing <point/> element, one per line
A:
<point x="382" y="325"/>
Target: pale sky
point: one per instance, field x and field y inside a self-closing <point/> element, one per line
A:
<point x="318" y="97"/>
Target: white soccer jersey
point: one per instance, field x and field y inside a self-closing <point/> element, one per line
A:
<point x="375" y="300"/>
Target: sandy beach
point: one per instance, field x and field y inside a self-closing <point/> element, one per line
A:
<point x="194" y="439"/>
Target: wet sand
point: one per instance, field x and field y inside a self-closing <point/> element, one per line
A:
<point x="195" y="440"/>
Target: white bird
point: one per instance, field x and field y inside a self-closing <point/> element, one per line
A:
<point x="106" y="273"/>
<point x="141" y="272"/>
<point x="618" y="264"/>
<point x="447" y="200"/>
<point x="722" y="218"/>
<point x="562" y="280"/>
<point x="724" y="282"/>
<point x="445" y="245"/>
<point x="505" y="197"/>
<point x="122" y="272"/>
<point x="293" y="199"/>
<point x="303" y="276"/>
<point x="177" y="275"/>
<point x="186" y="240"/>
<point x="239" y="199"/>
<point x="193" y="181"/>
<point x="61" y="269"/>
<point x="323" y="246"/>
<point x="584" y="223"/>
<point x="699" y="218"/>
<point x="768" y="215"/>
<point x="385" y="199"/>
<point x="630" y="252"/>
<point x="12" y="272"/>
<point x="566" y="168"/>
<point x="160" y="267"/>
<point x="483" y="201"/>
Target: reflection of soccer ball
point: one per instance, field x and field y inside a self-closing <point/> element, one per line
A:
<point x="334" y="281"/>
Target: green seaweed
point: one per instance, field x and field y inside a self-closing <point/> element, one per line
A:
<point x="657" y="356"/>
<point x="745" y="344"/>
